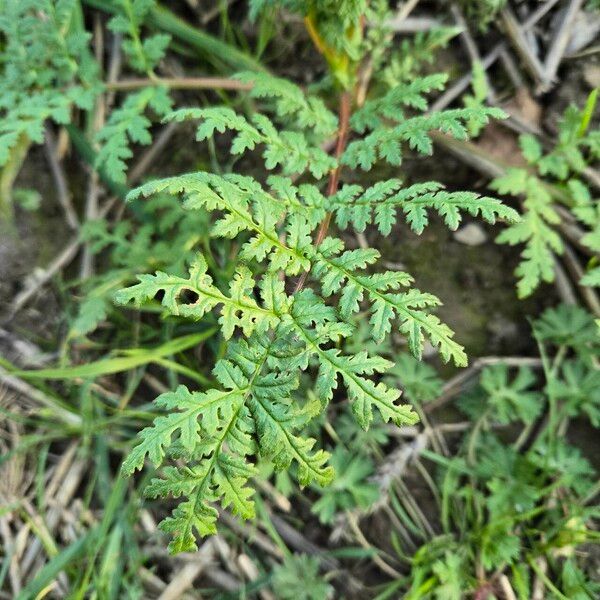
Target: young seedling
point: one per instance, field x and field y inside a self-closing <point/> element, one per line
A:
<point x="297" y="287"/>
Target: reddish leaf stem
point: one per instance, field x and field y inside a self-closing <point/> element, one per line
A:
<point x="345" y="110"/>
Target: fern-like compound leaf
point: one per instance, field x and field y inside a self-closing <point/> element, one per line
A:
<point x="126" y="125"/>
<point x="238" y="308"/>
<point x="143" y="54"/>
<point x="385" y="143"/>
<point x="291" y="104"/>
<point x="534" y="230"/>
<point x="247" y="208"/>
<point x="216" y="432"/>
<point x="391" y="105"/>
<point x="182" y="423"/>
<point x="336" y="269"/>
<point x="353" y="370"/>
<point x="379" y="203"/>
<point x="289" y="150"/>
<point x="592" y="278"/>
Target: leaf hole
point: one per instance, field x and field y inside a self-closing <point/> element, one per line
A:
<point x="188" y="297"/>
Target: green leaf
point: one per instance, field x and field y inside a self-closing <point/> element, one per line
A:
<point x="334" y="269"/>
<point x="128" y="125"/>
<point x="568" y="325"/>
<point x="133" y="357"/>
<point x="183" y="422"/>
<point x="449" y="574"/>
<point x="239" y="309"/>
<point x="578" y="387"/>
<point x="249" y="208"/>
<point x="591" y="278"/>
<point x="289" y="150"/>
<point x="378" y="204"/>
<point x="534" y="230"/>
<point x="273" y="423"/>
<point x="531" y="148"/>
<point x="216" y="430"/>
<point x="291" y="102"/>
<point x="351" y="488"/>
<point x="298" y="579"/>
<point x="419" y="380"/>
<point x="385" y="143"/>
<point x="390" y="106"/>
<point x="504" y="399"/>
<point x="364" y="393"/>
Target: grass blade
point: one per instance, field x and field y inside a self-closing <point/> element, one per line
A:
<point x="133" y="358"/>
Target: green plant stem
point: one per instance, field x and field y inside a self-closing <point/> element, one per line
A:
<point x="546" y="580"/>
<point x="523" y="436"/>
<point x="550" y="427"/>
<point x="553" y="420"/>
<point x="474" y="436"/>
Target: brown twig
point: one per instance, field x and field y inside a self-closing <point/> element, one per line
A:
<point x="38" y="280"/>
<point x="114" y="66"/>
<point x="459" y="86"/>
<point x="592" y="176"/>
<point x="506" y="588"/>
<point x="538" y="14"/>
<point x="212" y="13"/>
<point x="376" y="558"/>
<point x="470" y="45"/>
<point x="298" y="542"/>
<point x="62" y="190"/>
<point x="183" y="579"/>
<point x="405" y="10"/>
<point x="253" y="536"/>
<point x="563" y="285"/>
<point x="538" y="587"/>
<point x="516" y="34"/>
<point x="66" y="489"/>
<point x="249" y="569"/>
<point x="511" y="69"/>
<point x="559" y="44"/>
<point x="411" y="24"/>
<point x="143" y="164"/>
<point x="86" y="268"/>
<point x="179" y="83"/>
<point x="20" y="386"/>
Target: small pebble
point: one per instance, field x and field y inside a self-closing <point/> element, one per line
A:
<point x="591" y="74"/>
<point x="471" y="235"/>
